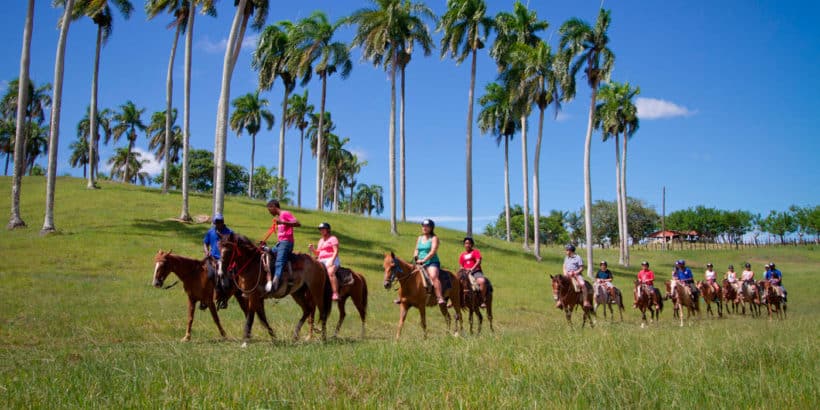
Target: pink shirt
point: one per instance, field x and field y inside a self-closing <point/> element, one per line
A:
<point x="285" y="232"/>
<point x="325" y="247"/>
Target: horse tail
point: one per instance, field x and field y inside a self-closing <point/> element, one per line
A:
<point x="327" y="301"/>
<point x="364" y="292"/>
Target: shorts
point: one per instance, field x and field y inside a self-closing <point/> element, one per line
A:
<point x="478" y="274"/>
<point x="328" y="262"/>
<point x="435" y="264"/>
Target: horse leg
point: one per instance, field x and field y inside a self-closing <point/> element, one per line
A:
<point x="215" y="316"/>
<point x="360" y="301"/>
<point x="446" y="315"/>
<point x="252" y="307"/>
<point x="341" y="306"/>
<point x="480" y="317"/>
<point x="191" y="309"/>
<point x="308" y="311"/>
<point x="402" y="315"/>
<point x="489" y="303"/>
<point x="423" y="316"/>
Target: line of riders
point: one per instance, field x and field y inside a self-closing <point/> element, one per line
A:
<point x="574" y="267"/>
<point x="327" y="252"/>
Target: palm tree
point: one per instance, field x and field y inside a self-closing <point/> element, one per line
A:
<point x="337" y="159"/>
<point x="351" y="169"/>
<point x="99" y="11"/>
<point x="7" y="129"/>
<point x="16" y="220"/>
<point x="497" y="117"/>
<point x="36" y="144"/>
<point x="518" y="27"/>
<point x="538" y="78"/>
<point x="127" y="122"/>
<point x="315" y="51"/>
<point x="466" y="27"/>
<point x="103" y="123"/>
<point x="271" y="60"/>
<point x="387" y="34"/>
<point x="156" y="137"/>
<point x="299" y="112"/>
<point x="249" y="113"/>
<point x="586" y="46"/>
<point x="128" y="166"/>
<point x="56" y="110"/>
<point x="79" y="154"/>
<point x="370" y="198"/>
<point x="244" y="10"/>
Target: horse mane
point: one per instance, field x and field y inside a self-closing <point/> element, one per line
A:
<point x="241" y="241"/>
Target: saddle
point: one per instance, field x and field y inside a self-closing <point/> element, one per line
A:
<point x="470" y="278"/>
<point x="344" y="276"/>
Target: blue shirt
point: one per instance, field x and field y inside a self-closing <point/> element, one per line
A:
<point x="604" y="274"/>
<point x="773" y="274"/>
<point x="684" y="275"/>
<point x="212" y="239"/>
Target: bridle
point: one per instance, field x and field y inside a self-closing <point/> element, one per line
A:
<point x="399" y="274"/>
<point x="233" y="272"/>
<point x="165" y="276"/>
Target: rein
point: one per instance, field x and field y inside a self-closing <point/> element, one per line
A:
<point x="171" y="285"/>
<point x="397" y="267"/>
<point x="232" y="267"/>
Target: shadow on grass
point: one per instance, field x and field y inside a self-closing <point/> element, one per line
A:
<point x="194" y="232"/>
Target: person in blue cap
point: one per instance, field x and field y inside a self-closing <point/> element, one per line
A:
<point x="684" y="274"/>
<point x="775" y="277"/>
<point x="211" y="246"/>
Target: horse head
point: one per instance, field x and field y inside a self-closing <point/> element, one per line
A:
<point x="161" y="271"/>
<point x="391" y="266"/>
<point x="557" y="286"/>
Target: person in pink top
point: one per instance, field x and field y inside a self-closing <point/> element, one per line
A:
<point x="283" y="224"/>
<point x="327" y="251"/>
<point x="470" y="262"/>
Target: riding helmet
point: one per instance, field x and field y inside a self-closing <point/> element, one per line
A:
<point x="645" y="263"/>
<point x="709" y="265"/>
<point x="324" y="225"/>
<point x="771" y="265"/>
<point x="603" y="263"/>
<point x="748" y="265"/>
<point x="428" y="222"/>
<point x="731" y="266"/>
<point x="570" y="247"/>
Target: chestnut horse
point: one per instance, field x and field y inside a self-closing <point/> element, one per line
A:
<point x="194" y="276"/>
<point x="355" y="290"/>
<point x="774" y="300"/>
<point x="609" y="297"/>
<point x="472" y="300"/>
<point x="710" y="296"/>
<point x="413" y="293"/>
<point x="563" y="290"/>
<point x="646" y="299"/>
<point x="750" y="296"/>
<point x="242" y="260"/>
<point x="681" y="296"/>
<point x="730" y="297"/>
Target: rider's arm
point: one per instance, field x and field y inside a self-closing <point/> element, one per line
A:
<point x="416" y="251"/>
<point x="270" y="231"/>
<point x="207" y="251"/>
<point x="433" y="249"/>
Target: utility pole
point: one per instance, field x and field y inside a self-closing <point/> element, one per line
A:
<point x="663" y="218"/>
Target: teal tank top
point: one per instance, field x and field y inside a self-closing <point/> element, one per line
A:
<point x="424" y="248"/>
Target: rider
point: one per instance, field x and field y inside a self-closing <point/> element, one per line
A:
<point x="776" y="278"/>
<point x="470" y="261"/>
<point x="283" y="224"/>
<point x="711" y="278"/>
<point x="327" y="250"/>
<point x="747" y="278"/>
<point x="211" y="246"/>
<point x="426" y="254"/>
<point x="573" y="269"/>
<point x="604" y="278"/>
<point x="684" y="274"/>
<point x="731" y="277"/>
<point x="647" y="277"/>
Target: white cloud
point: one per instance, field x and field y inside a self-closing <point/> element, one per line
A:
<point x="3" y="85"/>
<point x="213" y="47"/>
<point x="152" y="167"/>
<point x="562" y="116"/>
<point x="653" y="108"/>
<point x="451" y="218"/>
<point x="359" y="153"/>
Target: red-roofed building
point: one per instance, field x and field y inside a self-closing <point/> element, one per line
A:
<point x="669" y="236"/>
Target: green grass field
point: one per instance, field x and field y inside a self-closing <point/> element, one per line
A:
<point x="80" y="325"/>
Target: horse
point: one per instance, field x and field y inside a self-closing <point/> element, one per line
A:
<point x="644" y="299"/>
<point x="242" y="260"/>
<point x="730" y="297"/>
<point x="355" y="289"/>
<point x="194" y="276"/>
<point x="563" y="291"/>
<point x="472" y="300"/>
<point x="774" y="300"/>
<point x="710" y="296"/>
<point x="682" y="297"/>
<point x="609" y="297"/>
<point x="414" y="293"/>
<point x="749" y="295"/>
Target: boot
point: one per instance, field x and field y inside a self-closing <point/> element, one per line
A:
<point x="584" y="293"/>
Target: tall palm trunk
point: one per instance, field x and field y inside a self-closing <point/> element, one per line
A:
<point x="282" y="141"/>
<point x="469" y="149"/>
<point x="625" y="204"/>
<point x="186" y="111"/>
<point x="250" y="176"/>
<point x="54" y="124"/>
<point x="336" y="193"/>
<point x="618" y="200"/>
<point x="220" y="143"/>
<point x="22" y="103"/>
<point x="94" y="138"/>
<point x="507" y="187"/>
<point x="588" y="182"/>
<point x="299" y="172"/>
<point x="402" y="184"/>
<point x="169" y="90"/>
<point x="126" y="174"/>
<point x="525" y="173"/>
<point x="6" y="173"/>
<point x="319" y="135"/>
<point x="536" y="199"/>
<point x="392" y="146"/>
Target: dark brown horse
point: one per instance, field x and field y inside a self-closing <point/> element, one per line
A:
<point x="645" y="300"/>
<point x="564" y="291"/>
<point x="608" y="297"/>
<point x="730" y="297"/>
<point x="355" y="289"/>
<point x="194" y="276"/>
<point x="307" y="279"/>
<point x="710" y="295"/>
<point x="472" y="300"/>
<point x="774" y="300"/>
<point x="413" y="292"/>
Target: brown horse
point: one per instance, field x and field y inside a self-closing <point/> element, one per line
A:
<point x="750" y="296"/>
<point x="710" y="296"/>
<point x="355" y="289"/>
<point x="413" y="292"/>
<point x="194" y="276"/>
<point x="774" y="300"/>
<point x="472" y="300"/>
<point x="648" y="300"/>
<point x="305" y="280"/>
<point x="681" y="296"/>
<point x="607" y="298"/>
<point x="730" y="297"/>
<point x="563" y="290"/>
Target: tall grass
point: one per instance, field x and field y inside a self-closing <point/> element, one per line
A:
<point x="80" y="325"/>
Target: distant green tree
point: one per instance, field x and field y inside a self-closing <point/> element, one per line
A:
<point x="201" y="172"/>
<point x="780" y="224"/>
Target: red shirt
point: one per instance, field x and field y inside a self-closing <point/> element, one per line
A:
<point x="468" y="260"/>
<point x="646" y="277"/>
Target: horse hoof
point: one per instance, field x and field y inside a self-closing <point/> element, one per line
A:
<point x="244" y="345"/>
<point x="643" y="325"/>
<point x="185" y="339"/>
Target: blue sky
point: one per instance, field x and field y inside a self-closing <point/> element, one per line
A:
<point x="728" y="109"/>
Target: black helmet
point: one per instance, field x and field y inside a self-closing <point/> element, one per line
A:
<point x="324" y="225"/>
<point x="680" y="262"/>
<point x="748" y="265"/>
<point x="771" y="265"/>
<point x="645" y="263"/>
<point x="709" y="265"/>
<point x="570" y="247"/>
<point x="428" y="222"/>
<point x="603" y="263"/>
<point x="731" y="266"/>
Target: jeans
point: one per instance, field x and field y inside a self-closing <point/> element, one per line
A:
<point x="283" y="251"/>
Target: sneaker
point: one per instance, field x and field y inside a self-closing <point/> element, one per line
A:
<point x="483" y="305"/>
<point x="335" y="296"/>
<point x="440" y="301"/>
<point x="397" y="301"/>
<point x="222" y="304"/>
<point x="559" y="305"/>
<point x="269" y="286"/>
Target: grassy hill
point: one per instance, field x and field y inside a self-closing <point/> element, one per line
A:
<point x="81" y="326"/>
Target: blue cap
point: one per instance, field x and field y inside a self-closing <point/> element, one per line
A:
<point x="218" y="217"/>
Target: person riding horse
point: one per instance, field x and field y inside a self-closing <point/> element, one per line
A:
<point x="426" y="254"/>
<point x="731" y="277"/>
<point x="470" y="262"/>
<point x="604" y="279"/>
<point x="573" y="269"/>
<point x="210" y="244"/>
<point x="711" y="278"/>
<point x="327" y="251"/>
<point x="647" y="278"/>
<point x="747" y="279"/>
<point x="775" y="277"/>
<point x="283" y="224"/>
<point x="684" y="275"/>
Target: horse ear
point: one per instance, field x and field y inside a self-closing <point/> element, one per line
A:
<point x="392" y="254"/>
<point x="170" y="251"/>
